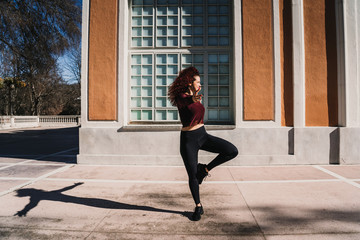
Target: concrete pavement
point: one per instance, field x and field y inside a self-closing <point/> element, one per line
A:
<point x="45" y="195"/>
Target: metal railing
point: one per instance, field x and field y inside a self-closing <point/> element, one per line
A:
<point x="38" y="121"/>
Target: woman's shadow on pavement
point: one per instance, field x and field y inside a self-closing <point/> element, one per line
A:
<point x="37" y="195"/>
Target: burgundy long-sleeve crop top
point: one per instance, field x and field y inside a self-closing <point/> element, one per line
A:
<point x="191" y="113"/>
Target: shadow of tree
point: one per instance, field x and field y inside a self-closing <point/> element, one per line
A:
<point x="37" y="195"/>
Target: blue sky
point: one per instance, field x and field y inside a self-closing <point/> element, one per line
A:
<point x="67" y="76"/>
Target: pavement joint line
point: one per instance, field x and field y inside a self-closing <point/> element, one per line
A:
<point x="351" y="182"/>
<point x="35" y="179"/>
<point x="39" y="158"/>
<point x="170" y="182"/>
<point x="247" y="205"/>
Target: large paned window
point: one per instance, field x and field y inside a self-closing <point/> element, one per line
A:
<point x="170" y="35"/>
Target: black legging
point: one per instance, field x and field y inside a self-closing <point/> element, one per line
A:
<point x="191" y="142"/>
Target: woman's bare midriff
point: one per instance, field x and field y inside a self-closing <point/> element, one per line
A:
<point x="191" y="128"/>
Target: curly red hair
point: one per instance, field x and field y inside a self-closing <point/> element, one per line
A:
<point x="181" y="83"/>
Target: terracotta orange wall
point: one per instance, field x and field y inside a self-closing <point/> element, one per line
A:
<point x="320" y="63"/>
<point x="103" y="60"/>
<point x="258" y="60"/>
<point x="286" y="41"/>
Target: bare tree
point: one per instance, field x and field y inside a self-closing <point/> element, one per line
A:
<point x="35" y="33"/>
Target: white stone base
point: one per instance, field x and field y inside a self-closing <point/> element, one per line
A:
<point x="257" y="146"/>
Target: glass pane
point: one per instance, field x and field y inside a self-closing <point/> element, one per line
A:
<point x="173" y="1"/>
<point x="187" y="10"/>
<point x="173" y="31"/>
<point x="161" y="21"/>
<point x="136" y="21"/>
<point x="161" y="31"/>
<point x="172" y="41"/>
<point x="213" y="20"/>
<point x="213" y="41"/>
<point x="198" y="20"/>
<point x="224" y="20"/>
<point x="187" y="41"/>
<point x="213" y="114"/>
<point x="161" y="91"/>
<point x="212" y="9"/>
<point x="224" y="102"/>
<point x="135" y="115"/>
<point x="136" y="11"/>
<point x="213" y="58"/>
<point x="146" y="92"/>
<point x="213" y="30"/>
<point x="147" y="81"/>
<point x="161" y="81"/>
<point x="146" y="115"/>
<point x="187" y="20"/>
<point x="161" y="70"/>
<point x="136" y="42"/>
<point x="224" y="31"/>
<point x="213" y="91"/>
<point x="224" y="58"/>
<point x="187" y="1"/>
<point x="135" y="81"/>
<point x="200" y="68"/>
<point x="224" y="41"/>
<point x="224" y="80"/>
<point x="172" y="10"/>
<point x="146" y="70"/>
<point x="213" y="80"/>
<point x="213" y="69"/>
<point x="161" y="59"/>
<point x="172" y="115"/>
<point x="224" y="10"/>
<point x="137" y="2"/>
<point x="148" y="2"/>
<point x="147" y="31"/>
<point x="198" y="1"/>
<point x="135" y="91"/>
<point x="160" y="102"/>
<point x="161" y="10"/>
<point x="172" y="20"/>
<point x="136" y="31"/>
<point x="224" y="91"/>
<point x="135" y="70"/>
<point x="224" y="114"/>
<point x="172" y="58"/>
<point x="160" y="115"/>
<point x="198" y="58"/>
<point x="147" y="21"/>
<point x="187" y="30"/>
<point x="198" y="30"/>
<point x="198" y="9"/>
<point x="224" y="69"/>
<point x="161" y="42"/>
<point x="146" y="102"/>
<point x="147" y="59"/>
<point x="198" y="41"/>
<point x="147" y="42"/>
<point x="213" y="1"/>
<point x="147" y="11"/>
<point x="171" y="79"/>
<point x="186" y="58"/>
<point x="172" y="69"/>
<point x="135" y="102"/>
<point x="213" y="101"/>
<point x="136" y="59"/>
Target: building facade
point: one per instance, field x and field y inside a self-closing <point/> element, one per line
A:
<point x="281" y="79"/>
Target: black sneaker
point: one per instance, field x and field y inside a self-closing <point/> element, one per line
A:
<point x="197" y="213"/>
<point x="201" y="172"/>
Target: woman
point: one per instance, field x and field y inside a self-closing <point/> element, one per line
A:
<point x="184" y="94"/>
